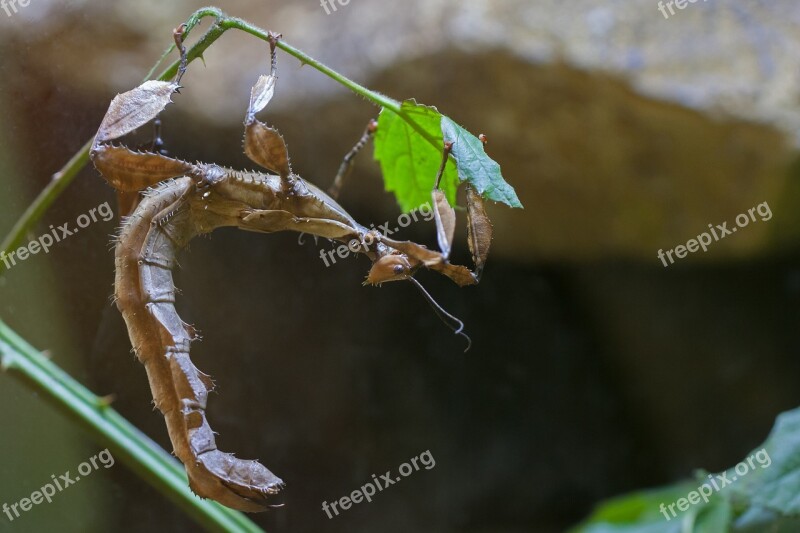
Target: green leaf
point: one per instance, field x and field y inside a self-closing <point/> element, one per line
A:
<point x="477" y="168"/>
<point x="409" y="149"/>
<point x="640" y="513"/>
<point x="771" y="489"/>
<point x="762" y="494"/>
<point x="637" y="512"/>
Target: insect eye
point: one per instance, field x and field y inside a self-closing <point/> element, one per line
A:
<point x="398" y="269"/>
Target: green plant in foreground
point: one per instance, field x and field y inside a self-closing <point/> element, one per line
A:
<point x="752" y="497"/>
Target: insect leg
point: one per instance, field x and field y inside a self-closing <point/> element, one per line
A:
<point x="131" y="171"/>
<point x="263" y="144"/>
<point x="479" y="227"/>
<point x="443" y="212"/>
<point x="178" y="34"/>
<point x="347" y="163"/>
<point x="270" y="221"/>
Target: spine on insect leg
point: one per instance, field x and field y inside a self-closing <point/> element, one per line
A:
<point x="146" y="254"/>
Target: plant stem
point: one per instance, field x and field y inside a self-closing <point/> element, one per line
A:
<point x="376" y="98"/>
<point x="124" y="440"/>
<point x="373" y="96"/>
<point x="42" y="203"/>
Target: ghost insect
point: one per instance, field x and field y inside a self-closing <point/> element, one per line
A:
<point x="169" y="201"/>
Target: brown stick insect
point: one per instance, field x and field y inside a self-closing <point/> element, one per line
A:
<point x="170" y="201"/>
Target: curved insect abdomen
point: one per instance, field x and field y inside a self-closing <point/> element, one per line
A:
<point x="164" y="223"/>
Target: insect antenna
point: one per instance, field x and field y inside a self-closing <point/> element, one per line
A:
<point x="449" y="320"/>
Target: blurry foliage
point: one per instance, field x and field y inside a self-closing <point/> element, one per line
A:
<point x="764" y="499"/>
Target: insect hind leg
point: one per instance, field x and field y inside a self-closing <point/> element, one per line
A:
<point x="347" y="162"/>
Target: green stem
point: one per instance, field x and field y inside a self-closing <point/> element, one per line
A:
<point x="123" y="439"/>
<point x="376" y="98"/>
<point x="373" y="96"/>
<point x="37" y="209"/>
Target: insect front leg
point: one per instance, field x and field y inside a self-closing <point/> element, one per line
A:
<point x="479" y="237"/>
<point x="131" y="171"/>
<point x="263" y="144"/>
<point x="125" y="169"/>
<point x="270" y="221"/>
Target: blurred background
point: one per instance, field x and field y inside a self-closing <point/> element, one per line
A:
<point x="594" y="370"/>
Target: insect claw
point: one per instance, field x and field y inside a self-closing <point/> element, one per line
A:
<point x="178" y="34"/>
